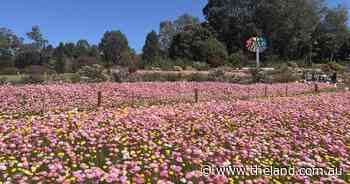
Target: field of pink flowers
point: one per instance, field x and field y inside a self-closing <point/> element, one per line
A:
<point x="36" y="98"/>
<point x="169" y="144"/>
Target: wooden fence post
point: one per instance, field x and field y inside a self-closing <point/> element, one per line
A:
<point x="316" y="88"/>
<point x="99" y="99"/>
<point x="43" y="110"/>
<point x="265" y="91"/>
<point x="196" y="95"/>
<point x="248" y="92"/>
<point x="286" y="90"/>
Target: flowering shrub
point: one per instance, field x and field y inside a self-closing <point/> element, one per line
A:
<point x="169" y="144"/>
<point x="35" y="98"/>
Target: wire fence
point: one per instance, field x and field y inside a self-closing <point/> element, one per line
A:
<point x="44" y="98"/>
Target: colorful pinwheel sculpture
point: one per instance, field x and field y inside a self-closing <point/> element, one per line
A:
<point x="257" y="45"/>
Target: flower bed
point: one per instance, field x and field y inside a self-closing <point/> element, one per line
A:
<point x="170" y="144"/>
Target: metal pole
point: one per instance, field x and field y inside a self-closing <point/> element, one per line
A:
<point x="257" y="58"/>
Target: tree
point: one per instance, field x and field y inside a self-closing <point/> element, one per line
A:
<point x="151" y="50"/>
<point x="113" y="46"/>
<point x="9" y="45"/>
<point x="169" y="29"/>
<point x="184" y="20"/>
<point x="27" y="55"/>
<point x="166" y="33"/>
<point x="199" y="44"/>
<point x="288" y="25"/>
<point x="332" y="33"/>
<point x="36" y="36"/>
<point x="212" y="52"/>
<point x="82" y="48"/>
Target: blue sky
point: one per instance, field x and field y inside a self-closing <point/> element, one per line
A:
<point x="71" y="20"/>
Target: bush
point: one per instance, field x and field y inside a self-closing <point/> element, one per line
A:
<point x="332" y="67"/>
<point x="258" y="75"/>
<point x="285" y="74"/>
<point x="9" y="71"/>
<point x="212" y="51"/>
<point x="3" y="80"/>
<point x="201" y="66"/>
<point x="32" y="79"/>
<point x="292" y="64"/>
<point x="216" y="75"/>
<point x="95" y="73"/>
<point x="71" y="77"/>
<point x="236" y="59"/>
<point x="119" y="73"/>
<point x="37" y="69"/>
<point x="198" y="77"/>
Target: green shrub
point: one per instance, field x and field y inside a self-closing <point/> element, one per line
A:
<point x="216" y="75"/>
<point x="234" y="60"/>
<point x="201" y="66"/>
<point x="197" y="77"/>
<point x="9" y="71"/>
<point x="119" y="74"/>
<point x="32" y="79"/>
<point x="3" y="80"/>
<point x="258" y="75"/>
<point x="284" y="74"/>
<point x="94" y="73"/>
<point x="71" y="77"/>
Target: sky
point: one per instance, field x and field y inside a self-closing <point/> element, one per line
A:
<point x="71" y="20"/>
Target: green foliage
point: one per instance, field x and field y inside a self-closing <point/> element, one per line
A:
<point x="95" y="73"/>
<point x="151" y="50"/>
<point x="169" y="29"/>
<point x="216" y="75"/>
<point x="201" y="66"/>
<point x="212" y="51"/>
<point x="332" y="67"/>
<point x="198" y="44"/>
<point x="9" y="43"/>
<point x="284" y="23"/>
<point x="284" y="74"/>
<point x="32" y="79"/>
<point x="185" y="44"/>
<point x="235" y="60"/>
<point x="9" y="71"/>
<point x="27" y="56"/>
<point x="39" y="42"/>
<point x="332" y="32"/>
<point x="258" y="75"/>
<point x="114" y="45"/>
<point x="3" y="80"/>
<point x="58" y="65"/>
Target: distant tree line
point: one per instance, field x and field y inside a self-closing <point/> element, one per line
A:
<point x="305" y="30"/>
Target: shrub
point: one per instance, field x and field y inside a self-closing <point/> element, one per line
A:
<point x="95" y="73"/>
<point x="216" y="75"/>
<point x="258" y="75"/>
<point x="3" y="80"/>
<point x="201" y="66"/>
<point x="332" y="67"/>
<point x="177" y="68"/>
<point x="119" y="73"/>
<point x="292" y="64"/>
<point x="236" y="59"/>
<point x="72" y="77"/>
<point x="198" y="77"/>
<point x="9" y="71"/>
<point x="212" y="51"/>
<point x="37" y="69"/>
<point x="32" y="79"/>
<point x="285" y="74"/>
